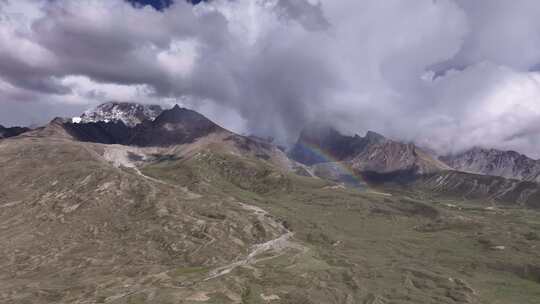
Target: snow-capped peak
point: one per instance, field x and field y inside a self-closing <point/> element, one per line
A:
<point x="129" y="113"/>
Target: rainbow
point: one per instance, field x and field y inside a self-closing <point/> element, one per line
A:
<point x="343" y="168"/>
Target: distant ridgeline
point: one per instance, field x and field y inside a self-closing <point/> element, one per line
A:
<point x="478" y="174"/>
<point x="12" y="131"/>
<point x="320" y="151"/>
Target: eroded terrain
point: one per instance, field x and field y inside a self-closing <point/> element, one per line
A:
<point x="91" y="223"/>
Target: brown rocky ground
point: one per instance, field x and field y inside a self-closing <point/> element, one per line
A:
<point x="223" y="220"/>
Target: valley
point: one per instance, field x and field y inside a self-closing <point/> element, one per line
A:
<point x="269" y="152"/>
<point x="225" y="218"/>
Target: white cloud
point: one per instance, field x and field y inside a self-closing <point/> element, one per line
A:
<point x="86" y="91"/>
<point x="180" y="58"/>
<point x="447" y="73"/>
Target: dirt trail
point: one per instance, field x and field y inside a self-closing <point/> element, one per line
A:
<point x="119" y="157"/>
<point x="277" y="245"/>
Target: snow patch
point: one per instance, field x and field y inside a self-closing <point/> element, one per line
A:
<point x="130" y="114"/>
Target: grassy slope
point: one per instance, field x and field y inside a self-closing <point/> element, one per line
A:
<point x="371" y="247"/>
<point x="138" y="241"/>
<point x="75" y="229"/>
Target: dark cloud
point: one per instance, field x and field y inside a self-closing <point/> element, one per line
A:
<point x="157" y="4"/>
<point x="309" y="15"/>
<point x="160" y="4"/>
<point x="447" y="74"/>
<point x="499" y="32"/>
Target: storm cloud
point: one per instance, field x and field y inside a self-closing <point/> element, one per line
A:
<point x="447" y="74"/>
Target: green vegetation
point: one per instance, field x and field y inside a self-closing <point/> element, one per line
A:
<point x="162" y="236"/>
<point x="221" y="171"/>
<point x="376" y="246"/>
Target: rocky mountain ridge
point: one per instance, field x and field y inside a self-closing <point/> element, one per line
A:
<point x="175" y="128"/>
<point x="321" y="143"/>
<point x="171" y="127"/>
<point x="180" y="210"/>
<point x="130" y="123"/>
<point x="320" y="151"/>
<point x="372" y="153"/>
<point x="508" y="164"/>
<point x="130" y="113"/>
<point x="392" y="156"/>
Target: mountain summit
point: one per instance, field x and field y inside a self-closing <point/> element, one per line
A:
<point x="372" y="153"/>
<point x="175" y="126"/>
<point x="321" y="143"/>
<point x="129" y="113"/>
<point x="137" y="125"/>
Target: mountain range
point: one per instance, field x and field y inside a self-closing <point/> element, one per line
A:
<point x="320" y="151"/>
<point x="509" y="164"/>
<point x="372" y="153"/>
<point x="130" y="203"/>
